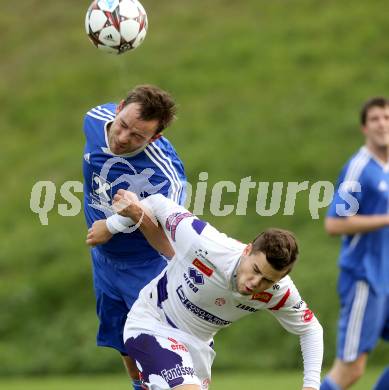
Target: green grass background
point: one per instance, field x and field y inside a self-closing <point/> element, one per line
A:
<point x="265" y="89"/>
<point x="252" y="380"/>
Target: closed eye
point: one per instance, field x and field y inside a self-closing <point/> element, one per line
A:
<point x="138" y="136"/>
<point x="123" y="124"/>
<point x="258" y="271"/>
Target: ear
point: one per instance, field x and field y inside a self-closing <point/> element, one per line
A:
<point x="120" y="106"/>
<point x="155" y="137"/>
<point x="247" y="249"/>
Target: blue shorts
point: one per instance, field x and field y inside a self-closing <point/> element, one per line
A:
<point x="364" y="317"/>
<point x="117" y="285"/>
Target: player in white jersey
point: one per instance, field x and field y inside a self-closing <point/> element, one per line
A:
<point x="211" y="281"/>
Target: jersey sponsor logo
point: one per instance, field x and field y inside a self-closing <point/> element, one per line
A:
<point x="202" y="254"/>
<point x="307" y="315"/>
<point x="176" y="346"/>
<point x="190" y="284"/>
<point x="101" y="190"/>
<point x="139" y="183"/>
<point x="173" y="220"/>
<point x="220" y="301"/>
<point x="196" y="276"/>
<point x="177" y="372"/>
<point x="202" y="267"/>
<point x="198" y="311"/>
<point x="246" y="308"/>
<point x="276" y="286"/>
<point x="262" y="296"/>
<point x="298" y="305"/>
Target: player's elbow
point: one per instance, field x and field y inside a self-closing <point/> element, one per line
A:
<point x="314" y="332"/>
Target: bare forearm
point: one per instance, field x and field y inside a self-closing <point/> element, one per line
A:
<point x="155" y="236"/>
<point x="128" y="205"/>
<point x="356" y="224"/>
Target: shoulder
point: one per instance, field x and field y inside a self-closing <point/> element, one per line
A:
<point x="356" y="165"/>
<point x="104" y="113"/>
<point x="217" y="248"/>
<point x="163" y="149"/>
<point x="283" y="294"/>
<point x="167" y="166"/>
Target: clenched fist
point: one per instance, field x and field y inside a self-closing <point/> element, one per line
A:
<point x="98" y="233"/>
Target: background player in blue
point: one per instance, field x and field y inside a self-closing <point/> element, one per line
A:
<point x="125" y="150"/>
<point x="359" y="212"/>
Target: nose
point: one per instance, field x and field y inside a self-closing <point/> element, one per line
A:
<point x="257" y="281"/>
<point x="123" y="137"/>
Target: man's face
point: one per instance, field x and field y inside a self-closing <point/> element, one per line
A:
<point x="255" y="274"/>
<point x="128" y="133"/>
<point x="376" y="128"/>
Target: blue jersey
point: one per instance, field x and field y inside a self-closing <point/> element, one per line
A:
<point x="364" y="181"/>
<point x="155" y="169"/>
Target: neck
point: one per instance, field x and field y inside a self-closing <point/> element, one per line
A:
<point x="381" y="153"/>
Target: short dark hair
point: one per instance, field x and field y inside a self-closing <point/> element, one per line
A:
<point x="279" y="246"/>
<point x="155" y="103"/>
<point x="377" y="101"/>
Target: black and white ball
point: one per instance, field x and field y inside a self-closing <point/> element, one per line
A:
<point x="116" y="26"/>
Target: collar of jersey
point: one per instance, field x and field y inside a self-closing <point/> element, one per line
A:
<point x="234" y="286"/>
<point x="384" y="166"/>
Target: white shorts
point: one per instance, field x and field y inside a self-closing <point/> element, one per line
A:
<point x="166" y="357"/>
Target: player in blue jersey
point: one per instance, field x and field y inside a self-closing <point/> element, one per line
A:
<point x="125" y="150"/>
<point x="359" y="212"/>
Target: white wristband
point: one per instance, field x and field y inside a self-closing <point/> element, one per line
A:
<point x="117" y="223"/>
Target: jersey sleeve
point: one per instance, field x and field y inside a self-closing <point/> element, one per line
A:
<point x="169" y="174"/>
<point x="182" y="228"/>
<point x="292" y="312"/>
<point x="295" y="316"/>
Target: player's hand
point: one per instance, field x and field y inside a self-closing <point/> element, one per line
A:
<point x="127" y="204"/>
<point x="98" y="233"/>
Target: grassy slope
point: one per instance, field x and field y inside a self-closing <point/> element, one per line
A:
<point x="266" y="89"/>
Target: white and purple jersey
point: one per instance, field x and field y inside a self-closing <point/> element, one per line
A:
<point x="155" y="169"/>
<point x="196" y="294"/>
<point x="363" y="188"/>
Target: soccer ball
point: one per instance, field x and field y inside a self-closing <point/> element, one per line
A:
<point x="116" y="26"/>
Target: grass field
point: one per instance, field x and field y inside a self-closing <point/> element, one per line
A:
<point x="277" y="380"/>
<point x="266" y="89"/>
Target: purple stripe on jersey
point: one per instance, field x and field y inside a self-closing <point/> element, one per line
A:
<point x="198" y="225"/>
<point x="170" y="322"/>
<point x="154" y="359"/>
<point x="162" y="290"/>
